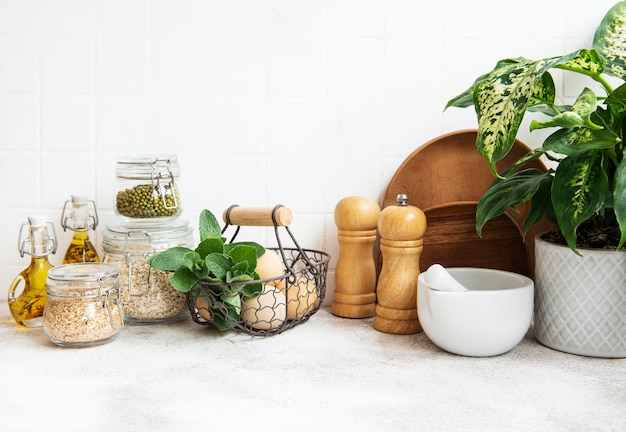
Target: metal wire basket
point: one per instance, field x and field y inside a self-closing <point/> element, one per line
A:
<point x="286" y="300"/>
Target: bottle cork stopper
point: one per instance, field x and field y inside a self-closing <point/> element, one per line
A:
<point x="38" y="220"/>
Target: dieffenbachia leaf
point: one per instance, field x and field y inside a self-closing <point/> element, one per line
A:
<point x="619" y="200"/>
<point x="462" y="100"/>
<point x="617" y="98"/>
<point x="580" y="189"/>
<point x="584" y="61"/>
<point x="501" y="101"/>
<point x="540" y="205"/>
<point x="579" y="115"/>
<point x="616" y="102"/>
<point x="466" y="98"/>
<point x="532" y="155"/>
<point x="506" y="193"/>
<point x="610" y="40"/>
<point x="544" y="92"/>
<point x="571" y="142"/>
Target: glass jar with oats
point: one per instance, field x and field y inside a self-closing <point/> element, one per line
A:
<point x="146" y="294"/>
<point x="83" y="306"/>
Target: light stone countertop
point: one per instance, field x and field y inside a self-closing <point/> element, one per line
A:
<point x="328" y="374"/>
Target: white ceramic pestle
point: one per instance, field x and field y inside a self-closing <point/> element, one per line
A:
<point x="438" y="278"/>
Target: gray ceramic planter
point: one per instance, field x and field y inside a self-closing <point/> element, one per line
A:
<point x="580" y="302"/>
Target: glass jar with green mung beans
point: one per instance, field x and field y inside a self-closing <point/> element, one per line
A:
<point x="147" y="193"/>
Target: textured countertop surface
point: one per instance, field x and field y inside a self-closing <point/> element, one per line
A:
<point x="327" y="374"/>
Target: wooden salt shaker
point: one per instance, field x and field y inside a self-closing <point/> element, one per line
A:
<point x="355" y="275"/>
<point x="401" y="229"/>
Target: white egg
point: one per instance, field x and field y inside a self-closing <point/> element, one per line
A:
<point x="270" y="265"/>
<point x="301" y="298"/>
<point x="267" y="311"/>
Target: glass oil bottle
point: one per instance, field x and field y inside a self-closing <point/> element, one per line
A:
<point x="80" y="215"/>
<point x="34" y="240"/>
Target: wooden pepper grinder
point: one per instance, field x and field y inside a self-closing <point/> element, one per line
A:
<point x="401" y="229"/>
<point x="355" y="275"/>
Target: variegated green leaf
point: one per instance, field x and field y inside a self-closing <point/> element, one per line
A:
<point x="580" y="189"/>
<point x="501" y="101"/>
<point x="610" y="40"/>
<point x="617" y="104"/>
<point x="544" y="92"/>
<point x="584" y="61"/>
<point x="579" y="116"/>
<point x="507" y="193"/>
<point x="619" y="199"/>
<point x="462" y="100"/>
<point x="617" y="98"/>
<point x="532" y="155"/>
<point x="540" y="205"/>
<point x="466" y="98"/>
<point x="549" y="110"/>
<point x="571" y="142"/>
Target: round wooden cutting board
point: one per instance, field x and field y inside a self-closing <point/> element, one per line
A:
<point x="445" y="178"/>
<point x="451" y="240"/>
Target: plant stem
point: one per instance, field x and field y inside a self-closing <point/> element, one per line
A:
<point x="604" y="83"/>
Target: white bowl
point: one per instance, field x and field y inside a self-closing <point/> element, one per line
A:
<point x="489" y="319"/>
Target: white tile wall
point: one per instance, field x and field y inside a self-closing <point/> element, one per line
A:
<point x="299" y="102"/>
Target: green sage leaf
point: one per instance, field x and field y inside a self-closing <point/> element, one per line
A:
<point x="169" y="259"/>
<point x="260" y="250"/>
<point x="183" y="279"/>
<point x="209" y="227"/>
<point x="245" y="253"/>
<point x="210" y="246"/>
<point x="219" y="265"/>
<point x="252" y="290"/>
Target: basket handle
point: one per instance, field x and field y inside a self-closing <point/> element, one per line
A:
<point x="258" y="216"/>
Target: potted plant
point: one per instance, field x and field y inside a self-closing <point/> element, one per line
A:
<point x="585" y="195"/>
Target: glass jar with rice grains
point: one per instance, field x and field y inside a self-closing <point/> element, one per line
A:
<point x="83" y="306"/>
<point x="147" y="192"/>
<point x="147" y="296"/>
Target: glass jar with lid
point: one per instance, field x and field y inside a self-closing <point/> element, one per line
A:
<point x="83" y="306"/>
<point x="147" y="296"/>
<point x="147" y="192"/>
